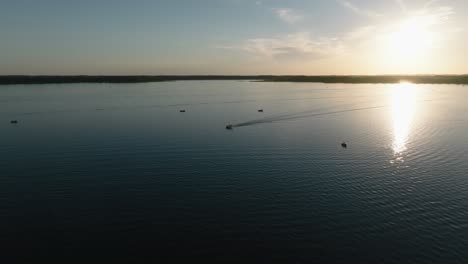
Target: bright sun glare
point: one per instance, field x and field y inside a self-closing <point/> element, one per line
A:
<point x="411" y="41"/>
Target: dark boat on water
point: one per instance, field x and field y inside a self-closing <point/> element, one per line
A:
<point x="229" y="127"/>
<point x="344" y="145"/>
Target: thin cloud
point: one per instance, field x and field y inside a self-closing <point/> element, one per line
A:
<point x="358" y="10"/>
<point x="404" y="8"/>
<point x="288" y="15"/>
<point x="430" y="3"/>
<point x="291" y="46"/>
<point x="435" y="15"/>
<point x="361" y="32"/>
<point x="402" y="5"/>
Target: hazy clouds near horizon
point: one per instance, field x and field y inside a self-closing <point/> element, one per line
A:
<point x="233" y="37"/>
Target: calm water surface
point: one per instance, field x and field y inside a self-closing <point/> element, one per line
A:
<point x="115" y="171"/>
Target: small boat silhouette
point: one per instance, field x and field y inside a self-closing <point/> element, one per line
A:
<point x="182" y="111"/>
<point x="344" y="145"/>
<point x="14" y="122"/>
<point x="229" y="127"/>
<point x="260" y="110"/>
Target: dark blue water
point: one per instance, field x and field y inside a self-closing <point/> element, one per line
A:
<point x="116" y="172"/>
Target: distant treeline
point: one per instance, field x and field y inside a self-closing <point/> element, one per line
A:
<point x="426" y="79"/>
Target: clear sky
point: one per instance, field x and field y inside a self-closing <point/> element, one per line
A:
<point x="233" y="37"/>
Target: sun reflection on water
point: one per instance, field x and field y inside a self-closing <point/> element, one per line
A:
<point x="403" y="108"/>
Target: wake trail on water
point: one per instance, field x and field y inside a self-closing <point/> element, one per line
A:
<point x="312" y="113"/>
<point x="304" y="115"/>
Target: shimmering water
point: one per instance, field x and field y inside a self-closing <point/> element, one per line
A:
<point x="117" y="172"/>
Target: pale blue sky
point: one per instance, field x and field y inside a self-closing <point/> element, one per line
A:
<point x="233" y="36"/>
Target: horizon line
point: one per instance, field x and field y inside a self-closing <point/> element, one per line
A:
<point x="387" y="79"/>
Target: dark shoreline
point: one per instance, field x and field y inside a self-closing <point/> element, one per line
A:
<point x="384" y="79"/>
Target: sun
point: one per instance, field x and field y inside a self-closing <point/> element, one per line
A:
<point x="410" y="41"/>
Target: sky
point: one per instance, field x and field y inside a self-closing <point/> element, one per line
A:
<point x="299" y="37"/>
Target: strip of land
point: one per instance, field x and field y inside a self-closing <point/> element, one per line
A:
<point x="384" y="79"/>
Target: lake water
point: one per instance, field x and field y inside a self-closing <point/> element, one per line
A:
<point x="115" y="171"/>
